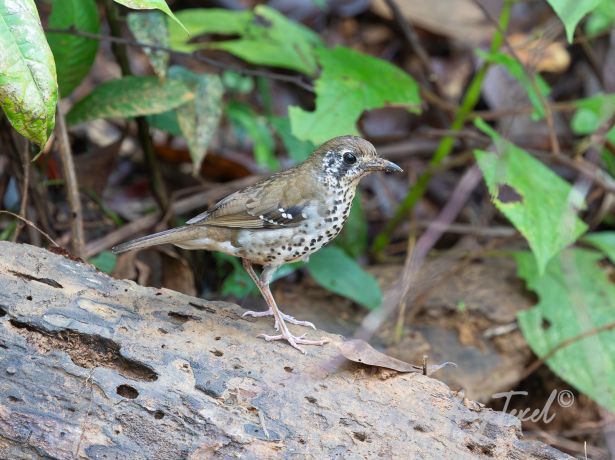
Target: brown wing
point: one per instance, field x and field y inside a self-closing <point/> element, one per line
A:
<point x="275" y="202"/>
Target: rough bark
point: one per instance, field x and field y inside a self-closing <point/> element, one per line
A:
<point x="93" y="367"/>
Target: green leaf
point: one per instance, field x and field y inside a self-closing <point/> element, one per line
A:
<point x="266" y="37"/>
<point x="28" y="86"/>
<point x="576" y="296"/>
<point x="130" y="97"/>
<point x="543" y="206"/>
<point x="237" y="83"/>
<point x="199" y="118"/>
<point x="349" y="84"/>
<point x="166" y="121"/>
<point x="571" y="12"/>
<point x="335" y="271"/>
<point x="247" y="121"/>
<point x="151" y="27"/>
<point x="74" y="55"/>
<point x="601" y="19"/>
<point x="592" y="113"/>
<point x="604" y="241"/>
<point x="296" y="149"/>
<point x="516" y="70"/>
<point x="105" y="261"/>
<point x="151" y="5"/>
<point x="353" y="238"/>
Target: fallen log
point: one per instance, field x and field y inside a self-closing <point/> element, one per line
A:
<point x="93" y="367"/>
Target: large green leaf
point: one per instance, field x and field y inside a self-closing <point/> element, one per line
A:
<point x="130" y="97"/>
<point x="349" y="84"/>
<point x="335" y="271"/>
<point x="74" y="55"/>
<point x="199" y="118"/>
<point x="516" y="70"/>
<point x="266" y="37"/>
<point x="542" y="207"/>
<point x="151" y="5"/>
<point x="576" y="297"/>
<point x="28" y="85"/>
<point x="571" y="12"/>
<point x="605" y="241"/>
<point x="151" y="27"/>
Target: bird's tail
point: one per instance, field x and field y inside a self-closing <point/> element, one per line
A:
<point x="173" y="235"/>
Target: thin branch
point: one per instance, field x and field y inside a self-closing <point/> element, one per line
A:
<point x="563" y="344"/>
<point x="412" y="38"/>
<point x="295" y="80"/>
<point x="430" y="89"/>
<point x="31" y="224"/>
<point x="72" y="186"/>
<point x="23" y="206"/>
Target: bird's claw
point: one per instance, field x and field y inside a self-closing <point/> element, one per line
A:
<point x="285" y="317"/>
<point x="294" y="341"/>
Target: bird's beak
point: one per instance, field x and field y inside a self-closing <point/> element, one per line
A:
<point x="380" y="164"/>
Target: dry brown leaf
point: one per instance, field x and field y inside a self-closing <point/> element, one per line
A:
<point x="458" y="19"/>
<point x="540" y="54"/>
<point x="362" y="352"/>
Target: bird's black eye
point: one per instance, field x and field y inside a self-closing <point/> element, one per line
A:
<point x="350" y="158"/>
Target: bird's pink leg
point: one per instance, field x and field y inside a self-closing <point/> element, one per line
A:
<point x="257" y="314"/>
<point x="285" y="334"/>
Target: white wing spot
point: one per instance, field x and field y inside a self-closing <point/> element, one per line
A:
<point x="261" y="217"/>
<point x="303" y="215"/>
<point x="281" y="210"/>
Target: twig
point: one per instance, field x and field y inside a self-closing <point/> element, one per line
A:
<point x="295" y="80"/>
<point x="563" y="344"/>
<point x="23" y="206"/>
<point x="145" y="139"/>
<point x="411" y="38"/>
<point x="31" y="224"/>
<point x="72" y="186"/>
<point x="431" y="90"/>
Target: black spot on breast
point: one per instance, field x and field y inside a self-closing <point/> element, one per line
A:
<point x="313" y="241"/>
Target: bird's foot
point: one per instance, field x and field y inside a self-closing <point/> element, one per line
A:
<point x="293" y="340"/>
<point x="285" y="317"/>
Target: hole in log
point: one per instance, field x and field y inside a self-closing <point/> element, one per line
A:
<point x="29" y="297"/>
<point x="2" y="311"/>
<point x="47" y="281"/>
<point x="127" y="391"/>
<point x="181" y="318"/>
<point x="360" y="436"/>
<point x="216" y="353"/>
<point x="85" y="350"/>
<point x="158" y="414"/>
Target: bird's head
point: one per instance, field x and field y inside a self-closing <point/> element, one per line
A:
<point x="345" y="160"/>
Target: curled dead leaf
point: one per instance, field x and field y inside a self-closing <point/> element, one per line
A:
<point x="362" y="352"/>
